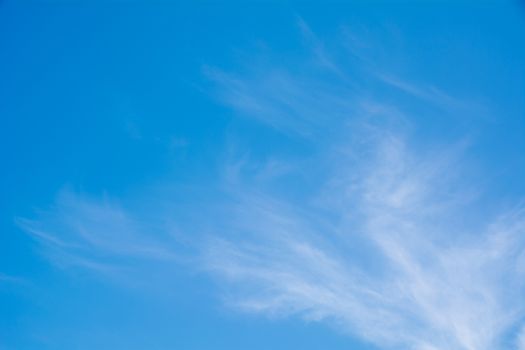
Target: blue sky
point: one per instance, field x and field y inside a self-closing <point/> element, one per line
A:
<point x="262" y="175"/>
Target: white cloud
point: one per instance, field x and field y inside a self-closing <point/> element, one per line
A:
<point x="96" y="234"/>
<point x="521" y="339"/>
<point x="386" y="242"/>
<point x="392" y="247"/>
<point x="391" y="268"/>
<point x="9" y="279"/>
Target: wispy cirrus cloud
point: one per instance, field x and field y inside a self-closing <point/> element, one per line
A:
<point x="389" y="262"/>
<point x="389" y="244"/>
<point x="385" y="239"/>
<point x="274" y="97"/>
<point x="430" y="94"/>
<point x="95" y="233"/>
<point x="9" y="279"/>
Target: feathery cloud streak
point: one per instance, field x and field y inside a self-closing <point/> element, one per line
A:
<point x="385" y="248"/>
<point x="385" y="241"/>
<point x="96" y="234"/>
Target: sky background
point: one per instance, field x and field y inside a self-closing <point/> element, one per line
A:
<point x="262" y="175"/>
